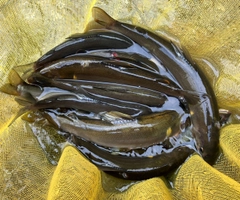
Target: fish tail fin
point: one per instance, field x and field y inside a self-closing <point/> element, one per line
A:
<point x="101" y="17"/>
<point x="9" y="89"/>
<point x="24" y="71"/>
<point x="14" y="78"/>
<point x="17" y="76"/>
<point x="20" y="112"/>
<point x="11" y="86"/>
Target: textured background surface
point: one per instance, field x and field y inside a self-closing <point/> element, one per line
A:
<point x="208" y="29"/>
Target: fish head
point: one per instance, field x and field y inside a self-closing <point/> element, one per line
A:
<point x="207" y="142"/>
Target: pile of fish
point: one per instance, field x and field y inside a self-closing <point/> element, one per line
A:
<point x="134" y="103"/>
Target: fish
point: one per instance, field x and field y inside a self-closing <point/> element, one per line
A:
<point x="205" y="117"/>
<point x="97" y="70"/>
<point x="57" y="98"/>
<point x="94" y="39"/>
<point x="142" y="60"/>
<point x="139" y="132"/>
<point x="108" y="89"/>
<point x="133" y="167"/>
<point x="134" y="103"/>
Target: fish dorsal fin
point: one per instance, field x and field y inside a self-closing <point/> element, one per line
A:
<point x="101" y="17"/>
<point x="75" y="35"/>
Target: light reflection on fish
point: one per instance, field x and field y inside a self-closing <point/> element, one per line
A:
<point x="121" y="90"/>
<point x="118" y="132"/>
<point x="205" y="116"/>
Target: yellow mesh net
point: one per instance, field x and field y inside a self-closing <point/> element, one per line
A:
<point x="208" y="29"/>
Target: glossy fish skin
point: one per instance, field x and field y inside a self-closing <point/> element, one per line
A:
<point x="127" y="63"/>
<point x="126" y="95"/>
<point x="91" y="105"/>
<point x="92" y="40"/>
<point x="137" y="133"/>
<point x="73" y="68"/>
<point x="83" y="43"/>
<point x="204" y="117"/>
<point x="123" y="94"/>
<point x="133" y="168"/>
<point x="50" y="97"/>
<point x="112" y="90"/>
<point x="57" y="96"/>
<point x="97" y="70"/>
<point x="141" y="60"/>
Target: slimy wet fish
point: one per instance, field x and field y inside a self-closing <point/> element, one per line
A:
<point x="205" y="116"/>
<point x="78" y="68"/>
<point x="137" y="133"/>
<point x="133" y="167"/>
<point x="134" y="103"/>
<point x="82" y="42"/>
<point x="105" y="89"/>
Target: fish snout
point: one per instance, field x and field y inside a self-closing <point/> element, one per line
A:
<point x="208" y="145"/>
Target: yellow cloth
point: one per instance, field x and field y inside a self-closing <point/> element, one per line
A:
<point x="208" y="29"/>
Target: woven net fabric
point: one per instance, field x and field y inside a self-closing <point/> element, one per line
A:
<point x="210" y="30"/>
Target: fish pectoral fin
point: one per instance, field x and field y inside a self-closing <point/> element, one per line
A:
<point x="177" y="49"/>
<point x="101" y="17"/>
